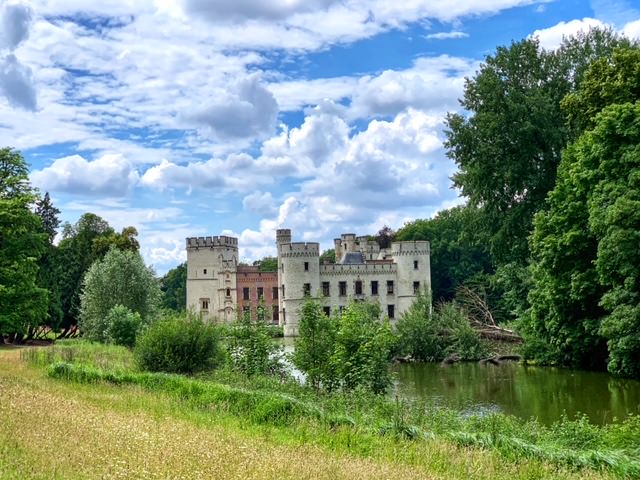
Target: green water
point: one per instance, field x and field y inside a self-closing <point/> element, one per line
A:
<point x="524" y="391"/>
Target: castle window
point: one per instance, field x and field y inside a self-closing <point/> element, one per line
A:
<point x="358" y="287"/>
<point x="306" y="289"/>
<point x="228" y="292"/>
<point x="416" y="287"/>
<point x="327" y="311"/>
<point x="274" y="293"/>
<point x="341" y="309"/>
<point x="306" y="266"/>
<point x="204" y="302"/>
<point x="245" y="293"/>
<point x="326" y="289"/>
<point x="415" y="264"/>
<point x="343" y="288"/>
<point x="391" y="311"/>
<point x="260" y="293"/>
<point x="283" y="293"/>
<point x="274" y="314"/>
<point x="204" y="271"/>
<point x="374" y="287"/>
<point x="246" y="311"/>
<point x="389" y="287"/>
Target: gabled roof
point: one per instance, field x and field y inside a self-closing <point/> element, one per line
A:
<point x="352" y="258"/>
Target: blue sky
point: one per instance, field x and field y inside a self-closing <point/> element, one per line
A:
<point x="202" y="117"/>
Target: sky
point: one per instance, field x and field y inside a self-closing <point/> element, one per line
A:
<point x="207" y="117"/>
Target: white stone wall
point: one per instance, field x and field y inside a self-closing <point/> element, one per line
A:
<point x="211" y="277"/>
<point x="402" y="271"/>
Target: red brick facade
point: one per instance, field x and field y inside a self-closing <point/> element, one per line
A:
<point x="250" y="284"/>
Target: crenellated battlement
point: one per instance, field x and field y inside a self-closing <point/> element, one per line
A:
<point x="210" y="242"/>
<point x="300" y="249"/>
<point x="411" y="247"/>
<point x="357" y="269"/>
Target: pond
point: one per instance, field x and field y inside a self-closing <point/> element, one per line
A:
<point x="524" y="391"/>
<point x="545" y="393"/>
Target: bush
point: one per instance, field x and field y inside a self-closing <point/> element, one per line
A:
<point x="430" y="336"/>
<point x="180" y="344"/>
<point x="122" y="326"/>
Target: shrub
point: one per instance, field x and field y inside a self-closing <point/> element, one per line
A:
<point x="179" y="344"/>
<point x="122" y="326"/>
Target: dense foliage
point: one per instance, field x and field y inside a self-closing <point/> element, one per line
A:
<point x="23" y="303"/>
<point x="121" y="278"/>
<point x="429" y="335"/>
<point x="458" y="252"/>
<point x="178" y="344"/>
<point x="251" y="347"/>
<point x="350" y="351"/>
<point x="174" y="288"/>
<point x="123" y="326"/>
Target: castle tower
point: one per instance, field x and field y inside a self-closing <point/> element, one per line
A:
<point x="298" y="276"/>
<point x="414" y="270"/>
<point x="211" y="276"/>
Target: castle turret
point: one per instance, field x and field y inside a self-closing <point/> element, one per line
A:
<point x="211" y="276"/>
<point x="414" y="270"/>
<point x="298" y="276"/>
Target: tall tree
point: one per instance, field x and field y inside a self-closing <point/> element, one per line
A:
<point x="174" y="287"/>
<point x="120" y="278"/>
<point x="23" y="304"/>
<point x="458" y="249"/>
<point x="49" y="271"/>
<point x="586" y="285"/>
<point x="385" y="236"/>
<point x="509" y="146"/>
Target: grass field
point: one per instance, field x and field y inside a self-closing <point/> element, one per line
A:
<point x="61" y="429"/>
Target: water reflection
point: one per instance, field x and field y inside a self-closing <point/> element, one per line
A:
<point x="524" y="391"/>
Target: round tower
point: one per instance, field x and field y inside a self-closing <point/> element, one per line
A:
<point x="414" y="271"/>
<point x="299" y="276"/>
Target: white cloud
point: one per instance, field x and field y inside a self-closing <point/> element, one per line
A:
<point x="246" y="111"/>
<point x="446" y="35"/>
<point x="16" y="83"/>
<point x="551" y="38"/>
<point x="110" y="175"/>
<point x="632" y="29"/>
<point x="15" y="19"/>
<point x="261" y="203"/>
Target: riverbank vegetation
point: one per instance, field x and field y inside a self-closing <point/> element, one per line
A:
<point x="400" y="434"/>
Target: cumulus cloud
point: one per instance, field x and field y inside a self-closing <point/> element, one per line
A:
<point x="632" y="29"/>
<point x="261" y="203"/>
<point x="109" y="175"/>
<point x="446" y="35"/>
<point x="551" y="38"/>
<point x="247" y="110"/>
<point x="16" y="83"/>
<point x="432" y="84"/>
<point x="16" y="19"/>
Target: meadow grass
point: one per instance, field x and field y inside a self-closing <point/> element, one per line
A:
<point x="392" y="438"/>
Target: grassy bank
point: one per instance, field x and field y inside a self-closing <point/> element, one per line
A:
<point x="388" y="438"/>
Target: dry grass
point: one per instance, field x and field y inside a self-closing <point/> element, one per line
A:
<point x="50" y="429"/>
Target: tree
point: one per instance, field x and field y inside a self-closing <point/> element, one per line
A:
<point x="328" y="256"/>
<point x="121" y="278"/>
<point x="23" y="304"/>
<point x="458" y="250"/>
<point x="508" y="148"/>
<point x="314" y="345"/>
<point x="385" y="236"/>
<point x="362" y="353"/>
<point x="584" y="287"/>
<point x="267" y="264"/>
<point x="82" y="244"/>
<point x="174" y="287"/>
<point x="252" y="349"/>
<point x="49" y="216"/>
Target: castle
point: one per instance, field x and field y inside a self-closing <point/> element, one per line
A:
<point x="217" y="287"/>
